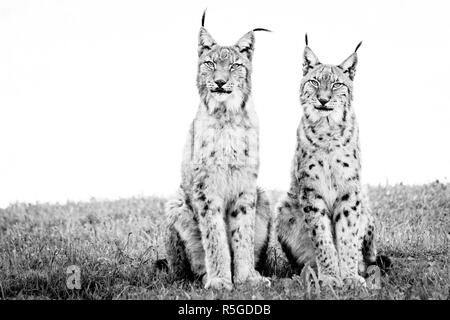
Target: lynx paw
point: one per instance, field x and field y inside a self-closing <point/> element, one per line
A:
<point x="354" y="282"/>
<point x="328" y="280"/>
<point x="253" y="279"/>
<point x="219" y="284"/>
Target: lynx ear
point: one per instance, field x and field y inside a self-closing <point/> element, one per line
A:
<point x="349" y="64"/>
<point x="205" y="41"/>
<point x="245" y="45"/>
<point x="310" y="60"/>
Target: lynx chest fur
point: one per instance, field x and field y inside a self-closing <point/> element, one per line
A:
<point x="225" y="148"/>
<point x="328" y="159"/>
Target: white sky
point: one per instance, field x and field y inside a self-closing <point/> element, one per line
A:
<point x="96" y="96"/>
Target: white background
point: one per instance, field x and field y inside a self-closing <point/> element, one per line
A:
<point x="96" y="97"/>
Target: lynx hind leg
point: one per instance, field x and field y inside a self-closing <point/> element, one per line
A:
<point x="263" y="225"/>
<point x="185" y="253"/>
<point x="292" y="233"/>
<point x="177" y="260"/>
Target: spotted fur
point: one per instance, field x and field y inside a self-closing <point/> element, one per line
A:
<point x="325" y="219"/>
<point x="218" y="224"/>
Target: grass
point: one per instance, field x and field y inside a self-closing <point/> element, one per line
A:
<point x="116" y="243"/>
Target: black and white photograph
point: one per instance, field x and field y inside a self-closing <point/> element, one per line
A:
<point x="238" y="150"/>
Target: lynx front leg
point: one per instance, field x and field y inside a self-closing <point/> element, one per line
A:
<point x="348" y="219"/>
<point x="242" y="236"/>
<point x="319" y="225"/>
<point x="215" y="243"/>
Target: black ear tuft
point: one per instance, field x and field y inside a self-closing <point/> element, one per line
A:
<point x="203" y="18"/>
<point x="306" y="38"/>
<point x="261" y="29"/>
<point x="349" y="64"/>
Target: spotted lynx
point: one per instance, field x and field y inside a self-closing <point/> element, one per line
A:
<point x="218" y="225"/>
<point x="325" y="219"/>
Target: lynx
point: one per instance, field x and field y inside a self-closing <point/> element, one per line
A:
<point x="218" y="225"/>
<point x="325" y="219"/>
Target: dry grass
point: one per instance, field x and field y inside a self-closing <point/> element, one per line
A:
<point x="116" y="243"/>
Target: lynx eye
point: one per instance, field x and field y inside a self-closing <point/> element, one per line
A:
<point x="314" y="83"/>
<point x="210" y="64"/>
<point x="337" y="85"/>
<point x="235" y="66"/>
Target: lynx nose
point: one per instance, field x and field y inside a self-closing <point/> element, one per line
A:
<point x="323" y="102"/>
<point x="220" y="83"/>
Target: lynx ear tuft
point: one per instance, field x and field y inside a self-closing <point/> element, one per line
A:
<point x="349" y="64"/>
<point x="310" y="60"/>
<point x="203" y="17"/>
<point x="261" y="29"/>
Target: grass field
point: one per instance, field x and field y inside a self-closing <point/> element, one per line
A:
<point x="116" y="243"/>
